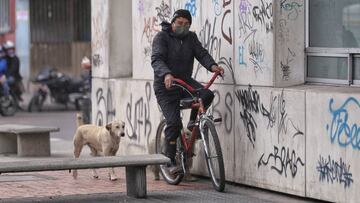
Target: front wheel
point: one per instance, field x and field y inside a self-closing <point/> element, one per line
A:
<point x="213" y="155"/>
<point x="36" y="103"/>
<point x="160" y="149"/>
<point x="8" y="105"/>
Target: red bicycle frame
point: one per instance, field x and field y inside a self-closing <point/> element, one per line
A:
<point x="198" y="104"/>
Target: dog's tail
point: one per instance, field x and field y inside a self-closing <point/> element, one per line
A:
<point x="79" y="120"/>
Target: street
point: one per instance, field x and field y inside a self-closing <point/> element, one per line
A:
<point x="65" y="120"/>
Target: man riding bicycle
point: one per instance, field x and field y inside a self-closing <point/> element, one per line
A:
<point x="173" y="51"/>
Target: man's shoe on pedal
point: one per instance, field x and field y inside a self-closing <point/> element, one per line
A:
<point x="172" y="168"/>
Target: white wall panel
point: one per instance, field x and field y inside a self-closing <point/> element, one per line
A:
<point x="290" y="64"/>
<point x="270" y="138"/>
<point x="254" y="42"/>
<point x="100" y="37"/>
<point x="333" y="147"/>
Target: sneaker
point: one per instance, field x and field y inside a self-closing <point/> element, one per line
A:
<point x="172" y="168"/>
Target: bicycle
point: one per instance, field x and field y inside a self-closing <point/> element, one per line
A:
<point x="204" y="124"/>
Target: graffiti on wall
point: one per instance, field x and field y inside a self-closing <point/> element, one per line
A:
<point x="334" y="171"/>
<point x="286" y="123"/>
<point x="151" y="25"/>
<point x="138" y="113"/>
<point x="283" y="33"/>
<point x="251" y="104"/>
<point x="292" y="8"/>
<point x="252" y="18"/>
<point x="141" y="8"/>
<point x="106" y="111"/>
<point x="227" y="114"/>
<point x="289" y="12"/>
<point x="217" y="7"/>
<point x="285" y="66"/>
<point x="342" y="129"/>
<point x="215" y="37"/>
<point x="99" y="31"/>
<point x="191" y="7"/>
<point x="263" y="14"/>
<point x="97" y="60"/>
<point x="100" y="34"/>
<point x="249" y="99"/>
<point x="246" y="22"/>
<point x="281" y="161"/>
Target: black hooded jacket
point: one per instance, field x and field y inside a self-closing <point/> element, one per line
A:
<point x="13" y="67"/>
<point x="176" y="56"/>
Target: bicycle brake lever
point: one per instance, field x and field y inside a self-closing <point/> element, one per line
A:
<point x="222" y="76"/>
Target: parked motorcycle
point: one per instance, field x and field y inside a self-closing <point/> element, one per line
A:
<point x="8" y="104"/>
<point x="62" y="89"/>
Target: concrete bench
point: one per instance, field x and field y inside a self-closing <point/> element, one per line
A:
<point x="25" y="140"/>
<point x="135" y="167"/>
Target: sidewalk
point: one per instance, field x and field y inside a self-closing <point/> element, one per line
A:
<point x="60" y="187"/>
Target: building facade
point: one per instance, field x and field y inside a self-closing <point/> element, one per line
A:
<point x="7" y="20"/>
<point x="60" y="34"/>
<point x="289" y="101"/>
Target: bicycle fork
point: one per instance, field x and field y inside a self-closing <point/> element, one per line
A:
<point x="202" y="133"/>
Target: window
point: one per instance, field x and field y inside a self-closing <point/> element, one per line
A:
<point x="333" y="41"/>
<point x="4" y="16"/>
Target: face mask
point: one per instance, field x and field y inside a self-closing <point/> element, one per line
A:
<point x="11" y="52"/>
<point x="181" y="31"/>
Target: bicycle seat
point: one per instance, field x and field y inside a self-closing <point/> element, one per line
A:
<point x="186" y="103"/>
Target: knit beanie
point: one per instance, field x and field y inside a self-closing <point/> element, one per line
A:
<point x="181" y="13"/>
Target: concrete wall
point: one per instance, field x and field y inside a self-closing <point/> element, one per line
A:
<point x="270" y="138"/>
<point x="111" y="38"/>
<point x="289" y="42"/>
<point x="333" y="144"/>
<point x="100" y="38"/>
<point x="300" y="140"/>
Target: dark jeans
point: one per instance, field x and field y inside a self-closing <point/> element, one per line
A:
<point x="169" y="101"/>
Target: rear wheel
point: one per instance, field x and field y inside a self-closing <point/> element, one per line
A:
<point x="213" y="156"/>
<point x="160" y="149"/>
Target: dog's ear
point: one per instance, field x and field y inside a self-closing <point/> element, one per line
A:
<point x="108" y="126"/>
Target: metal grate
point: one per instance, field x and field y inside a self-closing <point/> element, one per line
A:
<point x="4" y="16"/>
<point x="60" y="21"/>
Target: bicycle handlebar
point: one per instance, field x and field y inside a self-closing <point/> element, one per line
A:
<point x="191" y="89"/>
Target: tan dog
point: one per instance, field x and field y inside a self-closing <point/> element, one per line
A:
<point x="103" y="140"/>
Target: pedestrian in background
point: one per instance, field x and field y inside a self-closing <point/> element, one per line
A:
<point x="13" y="75"/>
<point x="3" y="70"/>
